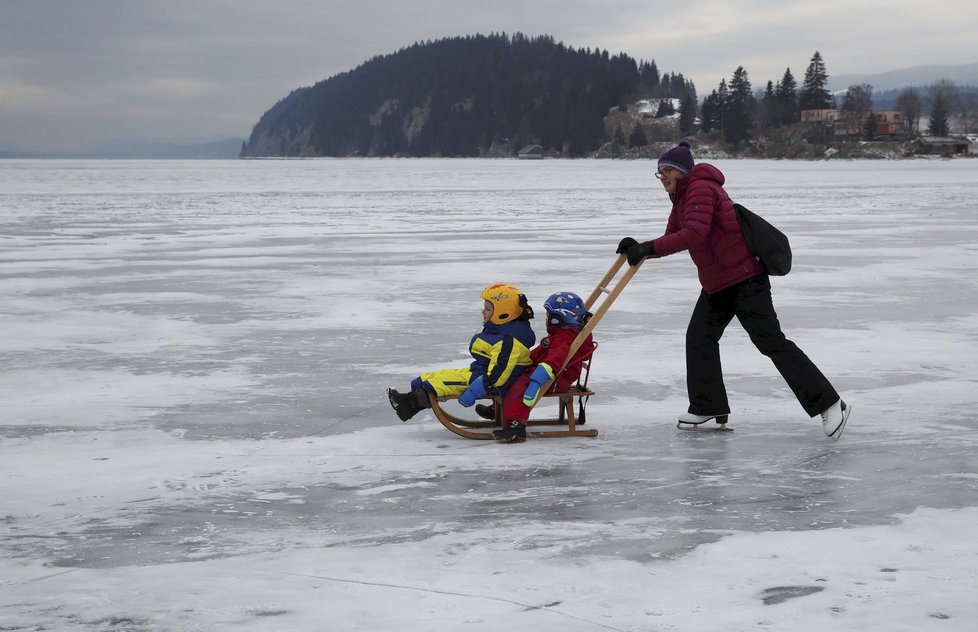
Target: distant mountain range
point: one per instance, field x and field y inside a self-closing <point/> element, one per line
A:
<point x="129" y="149"/>
<point x="960" y="74"/>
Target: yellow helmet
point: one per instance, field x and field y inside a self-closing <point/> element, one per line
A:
<point x="505" y="299"/>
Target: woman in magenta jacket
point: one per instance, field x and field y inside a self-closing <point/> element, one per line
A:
<point x="703" y="221"/>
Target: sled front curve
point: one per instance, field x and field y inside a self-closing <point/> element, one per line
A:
<point x="470" y="428"/>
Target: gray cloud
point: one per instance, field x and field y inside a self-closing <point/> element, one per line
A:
<point x="72" y="72"/>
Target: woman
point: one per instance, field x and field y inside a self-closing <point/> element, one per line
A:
<point x="703" y="221"/>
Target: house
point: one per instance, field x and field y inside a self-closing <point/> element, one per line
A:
<point x="530" y="152"/>
<point x="891" y="123"/>
<point x="973" y="147"/>
<point x="943" y="145"/>
<point x="888" y="122"/>
<point x="819" y="116"/>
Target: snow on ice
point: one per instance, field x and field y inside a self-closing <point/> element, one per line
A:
<point x="194" y="433"/>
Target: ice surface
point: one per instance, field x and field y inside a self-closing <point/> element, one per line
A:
<point x="194" y="433"/>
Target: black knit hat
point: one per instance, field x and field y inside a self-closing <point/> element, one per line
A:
<point x="679" y="157"/>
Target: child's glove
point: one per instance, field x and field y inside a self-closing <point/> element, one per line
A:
<point x="475" y="390"/>
<point x="540" y="376"/>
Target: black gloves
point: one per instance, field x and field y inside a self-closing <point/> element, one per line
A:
<point x="634" y="250"/>
<point x="624" y="245"/>
<point x="640" y="251"/>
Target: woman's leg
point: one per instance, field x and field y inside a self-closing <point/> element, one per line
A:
<point x="755" y="311"/>
<point x="704" y="375"/>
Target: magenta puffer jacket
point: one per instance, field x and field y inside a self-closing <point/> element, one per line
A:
<point x="704" y="222"/>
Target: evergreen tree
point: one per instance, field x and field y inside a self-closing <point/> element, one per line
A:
<point x="687" y="113"/>
<point x="638" y="138"/>
<point x="740" y="108"/>
<point x="770" y="106"/>
<point x="937" y="125"/>
<point x="648" y="79"/>
<point x="710" y="113"/>
<point x="723" y="95"/>
<point x="787" y="95"/>
<point x="871" y="121"/>
<point x="814" y="95"/>
<point x="666" y="108"/>
<point x="943" y="95"/>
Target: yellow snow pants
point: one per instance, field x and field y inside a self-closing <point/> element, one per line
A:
<point x="448" y="382"/>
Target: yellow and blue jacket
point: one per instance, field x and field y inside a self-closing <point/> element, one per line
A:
<point x="501" y="352"/>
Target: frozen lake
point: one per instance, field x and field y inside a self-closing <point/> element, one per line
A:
<point x="194" y="433"/>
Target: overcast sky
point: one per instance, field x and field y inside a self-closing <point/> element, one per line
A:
<point x="76" y="71"/>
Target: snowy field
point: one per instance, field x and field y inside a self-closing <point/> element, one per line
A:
<point x="194" y="433"/>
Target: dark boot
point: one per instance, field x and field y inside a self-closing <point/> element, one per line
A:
<point x="511" y="432"/>
<point x="407" y="405"/>
<point x="486" y="412"/>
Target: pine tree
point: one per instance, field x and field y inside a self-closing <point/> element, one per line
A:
<point x="770" y="115"/>
<point x="687" y="113"/>
<point x="814" y="95"/>
<point x="710" y="113"/>
<point x="943" y="95"/>
<point x="937" y="125"/>
<point x="787" y="95"/>
<point x="871" y="122"/>
<point x="666" y="108"/>
<point x="638" y="138"/>
<point x="740" y="108"/>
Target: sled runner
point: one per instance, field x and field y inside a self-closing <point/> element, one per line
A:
<point x="482" y="429"/>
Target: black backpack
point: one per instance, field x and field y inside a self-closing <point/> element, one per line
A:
<point x="766" y="242"/>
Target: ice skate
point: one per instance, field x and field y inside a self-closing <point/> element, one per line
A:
<point x="689" y="421"/>
<point x="834" y="419"/>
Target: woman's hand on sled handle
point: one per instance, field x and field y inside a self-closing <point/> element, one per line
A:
<point x="640" y="252"/>
<point x="625" y="244"/>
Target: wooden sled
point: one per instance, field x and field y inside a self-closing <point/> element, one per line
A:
<point x="482" y="428"/>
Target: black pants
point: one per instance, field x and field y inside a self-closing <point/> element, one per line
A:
<point x="750" y="301"/>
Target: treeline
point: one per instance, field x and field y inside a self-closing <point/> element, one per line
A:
<point x="736" y="113"/>
<point x="463" y="96"/>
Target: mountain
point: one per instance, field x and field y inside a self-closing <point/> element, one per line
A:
<point x="128" y="149"/>
<point x="464" y="96"/>
<point x="131" y="148"/>
<point x="921" y="76"/>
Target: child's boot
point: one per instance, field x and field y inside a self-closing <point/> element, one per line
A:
<point x="407" y="405"/>
<point x="486" y="412"/>
<point x="511" y="432"/>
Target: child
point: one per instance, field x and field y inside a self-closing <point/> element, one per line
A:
<point x="501" y="351"/>
<point x="566" y="317"/>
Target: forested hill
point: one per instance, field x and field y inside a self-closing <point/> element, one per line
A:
<point x="464" y="96"/>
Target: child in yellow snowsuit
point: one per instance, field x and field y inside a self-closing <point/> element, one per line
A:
<point x="501" y="354"/>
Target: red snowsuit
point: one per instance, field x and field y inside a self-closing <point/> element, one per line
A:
<point x="552" y="350"/>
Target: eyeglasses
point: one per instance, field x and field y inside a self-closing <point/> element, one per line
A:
<point x="661" y="173"/>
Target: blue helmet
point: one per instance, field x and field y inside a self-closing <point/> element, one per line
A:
<point x="565" y="308"/>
